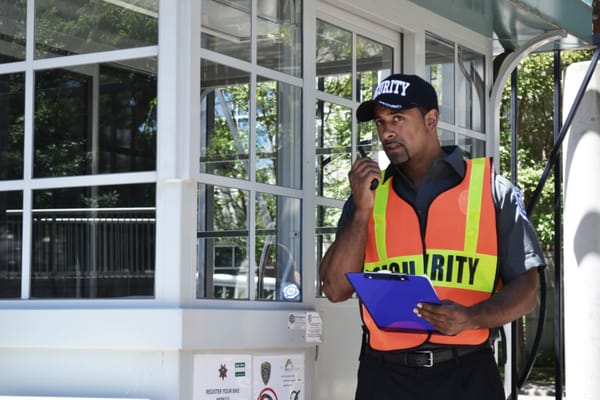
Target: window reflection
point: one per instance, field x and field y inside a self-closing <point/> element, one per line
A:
<point x="334" y="123"/>
<point x="278" y="226"/>
<point x="344" y="79"/>
<point x="93" y="242"/>
<point x="447" y="138"/>
<point x="12" y="104"/>
<point x="279" y="36"/>
<point x="71" y="139"/>
<point x="334" y="60"/>
<point x="334" y="129"/>
<point x="278" y="134"/>
<point x="223" y="234"/>
<point x="471" y="147"/>
<point x="11" y="233"/>
<point x="225" y="130"/>
<point x="12" y="30"/>
<point x="458" y="75"/>
<point x="66" y="27"/>
<point x="251" y="132"/>
<point x="470" y="90"/>
<point x="374" y="62"/>
<point x="226" y="27"/>
<point x="439" y="71"/>
<point x="225" y="270"/>
<point x="326" y="220"/>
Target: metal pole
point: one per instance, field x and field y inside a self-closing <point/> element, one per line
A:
<point x="514" y="177"/>
<point x="558" y="336"/>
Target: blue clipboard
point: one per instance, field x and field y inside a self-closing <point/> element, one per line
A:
<point x="391" y="297"/>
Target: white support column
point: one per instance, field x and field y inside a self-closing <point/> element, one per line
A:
<point x="178" y="146"/>
<point x="581" y="155"/>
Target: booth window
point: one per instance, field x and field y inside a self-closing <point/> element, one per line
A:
<point x="458" y="75"/>
<point x="349" y="67"/>
<point x="250" y="178"/>
<point x="77" y="187"/>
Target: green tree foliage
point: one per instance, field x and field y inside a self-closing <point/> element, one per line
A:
<point x="63" y="107"/>
<point x="75" y="27"/>
<point x="535" y="140"/>
<point x="535" y="135"/>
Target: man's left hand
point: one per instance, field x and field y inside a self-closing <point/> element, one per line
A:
<point x="449" y="318"/>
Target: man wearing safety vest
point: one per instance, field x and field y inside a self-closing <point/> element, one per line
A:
<point x="454" y="220"/>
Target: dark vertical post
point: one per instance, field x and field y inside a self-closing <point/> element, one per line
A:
<point x="596" y="19"/>
<point x="514" y="177"/>
<point x="558" y="326"/>
<point x="514" y="117"/>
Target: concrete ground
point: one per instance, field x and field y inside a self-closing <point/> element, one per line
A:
<point x="537" y="391"/>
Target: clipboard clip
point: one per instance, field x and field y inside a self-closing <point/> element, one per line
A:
<point x="387" y="276"/>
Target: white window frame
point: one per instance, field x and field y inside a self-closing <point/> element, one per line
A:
<point x="28" y="184"/>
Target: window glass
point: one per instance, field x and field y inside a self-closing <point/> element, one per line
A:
<point x="334" y="142"/>
<point x="93" y="242"/>
<point x="447" y="138"/>
<point x="225" y="129"/>
<point x="472" y="147"/>
<point x="334" y="60"/>
<point x="223" y="234"/>
<point x="226" y="27"/>
<point x="326" y="220"/>
<point x="345" y="78"/>
<point x="72" y="139"/>
<point x="373" y="63"/>
<point x="279" y="36"/>
<point x="439" y="71"/>
<point x="224" y="270"/>
<point x="470" y="86"/>
<point x="12" y="104"/>
<point x="11" y="233"/>
<point x="66" y="27"/>
<point x="278" y="134"/>
<point x="251" y="133"/>
<point x="334" y="150"/>
<point x="368" y="140"/>
<point x="278" y="239"/>
<point x="12" y="30"/>
<point x="461" y="93"/>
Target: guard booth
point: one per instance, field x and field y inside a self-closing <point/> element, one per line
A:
<point x="173" y="171"/>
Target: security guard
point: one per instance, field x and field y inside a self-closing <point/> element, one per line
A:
<point x="437" y="214"/>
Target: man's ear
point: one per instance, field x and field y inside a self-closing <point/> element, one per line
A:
<point x="431" y="118"/>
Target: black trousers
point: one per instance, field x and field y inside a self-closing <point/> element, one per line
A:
<point x="474" y="376"/>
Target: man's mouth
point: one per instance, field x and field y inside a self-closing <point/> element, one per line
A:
<point x="393" y="146"/>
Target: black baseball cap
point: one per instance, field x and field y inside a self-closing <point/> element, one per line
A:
<point x="399" y="91"/>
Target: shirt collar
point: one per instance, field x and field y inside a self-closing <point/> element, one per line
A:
<point x="454" y="158"/>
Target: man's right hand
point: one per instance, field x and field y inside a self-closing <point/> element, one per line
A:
<point x="363" y="172"/>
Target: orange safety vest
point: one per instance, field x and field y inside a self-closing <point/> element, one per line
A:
<point x="458" y="253"/>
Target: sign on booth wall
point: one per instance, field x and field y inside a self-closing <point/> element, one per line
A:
<point x="222" y="377"/>
<point x="278" y="377"/>
<point x="247" y="377"/>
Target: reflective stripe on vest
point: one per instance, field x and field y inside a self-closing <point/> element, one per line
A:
<point x="460" y="256"/>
